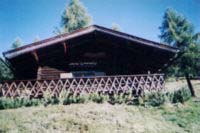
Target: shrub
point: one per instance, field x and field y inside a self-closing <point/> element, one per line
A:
<point x="159" y="98"/>
<point x="68" y="100"/>
<point x="117" y="98"/>
<point x="98" y="98"/>
<point x="74" y="98"/>
<point x="5" y="103"/>
<point x="181" y="95"/>
<point x="155" y="98"/>
<point x="47" y="98"/>
<point x="63" y="94"/>
<point x="82" y="98"/>
<point x="9" y="103"/>
<point x="65" y="98"/>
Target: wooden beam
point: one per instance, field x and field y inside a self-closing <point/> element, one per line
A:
<point x="35" y="55"/>
<point x="65" y="47"/>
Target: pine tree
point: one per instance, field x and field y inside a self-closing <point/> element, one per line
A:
<point x="116" y="27"/>
<point x="17" y="43"/>
<point x="36" y="39"/>
<point x="177" y="31"/>
<point x="74" y="17"/>
<point x="5" y="71"/>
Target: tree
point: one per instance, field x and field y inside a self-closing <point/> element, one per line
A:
<point x="17" y="43"/>
<point x="177" y="31"/>
<point x="5" y="71"/>
<point x="116" y="27"/>
<point x="36" y="39"/>
<point x="74" y="17"/>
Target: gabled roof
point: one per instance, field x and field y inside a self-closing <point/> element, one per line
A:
<point x="64" y="37"/>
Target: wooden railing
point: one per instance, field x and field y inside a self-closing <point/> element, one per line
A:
<point x="106" y="84"/>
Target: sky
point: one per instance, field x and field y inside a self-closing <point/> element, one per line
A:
<point x="30" y="19"/>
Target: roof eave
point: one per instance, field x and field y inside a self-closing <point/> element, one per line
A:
<point x="10" y="55"/>
<point x="28" y="48"/>
<point x="164" y="47"/>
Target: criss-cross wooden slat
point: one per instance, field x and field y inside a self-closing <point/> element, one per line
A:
<point x="104" y="84"/>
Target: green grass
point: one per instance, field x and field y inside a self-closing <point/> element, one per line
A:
<point x="185" y="116"/>
<point x="92" y="117"/>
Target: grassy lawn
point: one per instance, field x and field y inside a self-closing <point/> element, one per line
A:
<point x="92" y="117"/>
<point x="186" y="116"/>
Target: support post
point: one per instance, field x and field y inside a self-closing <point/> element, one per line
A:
<point x="35" y="55"/>
<point x="65" y="47"/>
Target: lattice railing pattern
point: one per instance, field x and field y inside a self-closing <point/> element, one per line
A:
<point x="107" y="84"/>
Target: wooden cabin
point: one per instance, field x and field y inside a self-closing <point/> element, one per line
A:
<point x="90" y="60"/>
<point x="90" y="51"/>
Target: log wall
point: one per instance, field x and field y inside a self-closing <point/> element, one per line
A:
<point x="48" y="73"/>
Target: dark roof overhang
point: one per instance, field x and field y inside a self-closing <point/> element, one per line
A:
<point x="91" y="29"/>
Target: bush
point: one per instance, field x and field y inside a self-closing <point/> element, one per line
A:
<point x="74" y="98"/>
<point x="155" y="98"/>
<point x="63" y="94"/>
<point x="117" y="98"/>
<point x="82" y="98"/>
<point x="181" y="95"/>
<point x="98" y="98"/>
<point x="65" y="98"/>
<point x="158" y="98"/>
<point x="152" y="99"/>
<point x="9" y="103"/>
<point x="123" y="98"/>
<point x="47" y="98"/>
<point x="69" y="99"/>
<point x="5" y="103"/>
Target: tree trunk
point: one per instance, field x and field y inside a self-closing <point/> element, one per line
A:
<point x="190" y="84"/>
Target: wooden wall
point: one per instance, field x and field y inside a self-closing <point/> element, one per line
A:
<point x="48" y="73"/>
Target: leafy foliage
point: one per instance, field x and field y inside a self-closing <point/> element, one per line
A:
<point x="36" y="39"/>
<point x="158" y="98"/>
<point x="150" y="99"/>
<point x="177" y="31"/>
<point x="74" y="17"/>
<point x="49" y="99"/>
<point x="72" y="98"/>
<point x="181" y="95"/>
<point x="116" y="27"/>
<point x="17" y="43"/>
<point x="155" y="99"/>
<point x="9" y="103"/>
<point x="98" y="98"/>
<point x="190" y="60"/>
<point x="5" y="72"/>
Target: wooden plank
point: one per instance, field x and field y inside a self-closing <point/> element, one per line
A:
<point x="35" y="55"/>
